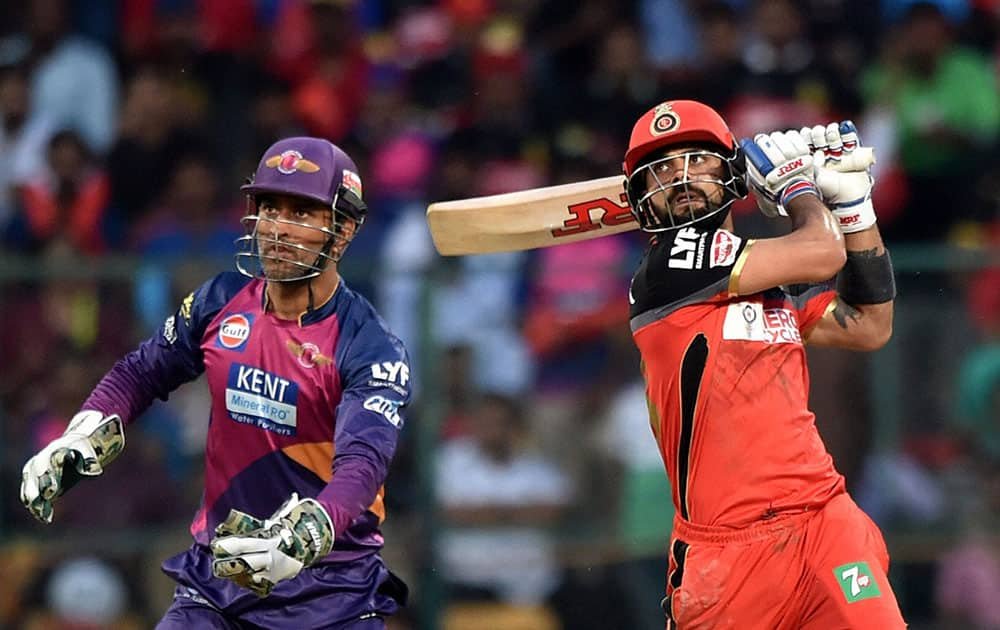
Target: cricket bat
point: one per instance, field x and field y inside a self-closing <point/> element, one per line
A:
<point x="542" y="217"/>
<point x="539" y="217"/>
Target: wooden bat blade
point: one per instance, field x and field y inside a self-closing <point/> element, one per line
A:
<point x="539" y="217"/>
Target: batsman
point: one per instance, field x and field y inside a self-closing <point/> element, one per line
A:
<point x="765" y="535"/>
<point x="308" y="389"/>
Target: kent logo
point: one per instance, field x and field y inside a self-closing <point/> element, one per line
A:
<point x="262" y="399"/>
<point x="857" y="582"/>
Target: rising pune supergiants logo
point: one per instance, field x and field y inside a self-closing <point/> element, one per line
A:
<point x="290" y="161"/>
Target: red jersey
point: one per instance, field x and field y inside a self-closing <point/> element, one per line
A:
<point x="727" y="382"/>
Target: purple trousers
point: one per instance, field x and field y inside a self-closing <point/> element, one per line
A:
<point x="353" y="595"/>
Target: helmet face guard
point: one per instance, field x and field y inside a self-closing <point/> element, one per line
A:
<point x="653" y="196"/>
<point x="261" y="249"/>
<point x="316" y="171"/>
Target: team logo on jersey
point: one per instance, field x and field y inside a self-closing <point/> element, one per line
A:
<point x="234" y="331"/>
<point x="290" y="161"/>
<point x="857" y="582"/>
<point x="665" y="120"/>
<point x="262" y="399"/>
<point x="750" y="321"/>
<point x="308" y="354"/>
<point x="724" y="247"/>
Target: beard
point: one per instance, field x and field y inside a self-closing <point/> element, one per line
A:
<point x="690" y="203"/>
<point x="283" y="263"/>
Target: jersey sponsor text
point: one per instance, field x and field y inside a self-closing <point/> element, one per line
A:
<point x="750" y="321"/>
<point x="265" y="400"/>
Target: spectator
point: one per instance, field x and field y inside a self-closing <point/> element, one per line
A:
<point x="193" y="220"/>
<point x="969" y="574"/>
<point x="499" y="500"/>
<point x="24" y="136"/>
<point x="65" y="204"/>
<point x="943" y="96"/>
<point x="151" y="139"/>
<point x="73" y="80"/>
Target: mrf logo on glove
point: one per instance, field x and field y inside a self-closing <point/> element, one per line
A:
<point x="790" y="167"/>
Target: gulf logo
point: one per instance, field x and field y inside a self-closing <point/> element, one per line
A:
<point x="234" y="331"/>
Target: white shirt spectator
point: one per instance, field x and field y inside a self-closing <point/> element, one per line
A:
<point x="518" y="562"/>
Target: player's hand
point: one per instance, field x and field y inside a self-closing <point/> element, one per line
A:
<point x="843" y="176"/>
<point x="295" y="536"/>
<point x="237" y="523"/>
<point x="780" y="168"/>
<point x="90" y="442"/>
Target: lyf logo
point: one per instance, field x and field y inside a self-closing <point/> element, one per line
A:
<point x="611" y="214"/>
<point x="682" y="254"/>
<point x="234" y="331"/>
<point x="790" y="167"/>
<point x="391" y="371"/>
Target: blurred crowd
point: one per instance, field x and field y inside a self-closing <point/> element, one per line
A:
<point x="126" y="129"/>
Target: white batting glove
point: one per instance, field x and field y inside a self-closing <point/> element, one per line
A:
<point x="294" y="537"/>
<point x="780" y="168"/>
<point x="90" y="442"/>
<point x="843" y="173"/>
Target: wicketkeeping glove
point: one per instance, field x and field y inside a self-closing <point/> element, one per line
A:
<point x="780" y="168"/>
<point x="90" y="442"/>
<point x="843" y="176"/>
<point x="258" y="554"/>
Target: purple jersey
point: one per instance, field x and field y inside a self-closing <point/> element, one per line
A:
<point x="311" y="406"/>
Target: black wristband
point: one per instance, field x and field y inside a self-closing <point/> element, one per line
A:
<point x="867" y="279"/>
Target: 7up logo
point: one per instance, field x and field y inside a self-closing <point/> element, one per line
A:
<point x="856" y="581"/>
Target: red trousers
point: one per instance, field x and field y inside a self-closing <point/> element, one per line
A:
<point x="820" y="570"/>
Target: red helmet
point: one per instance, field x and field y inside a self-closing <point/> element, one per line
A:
<point x="675" y="122"/>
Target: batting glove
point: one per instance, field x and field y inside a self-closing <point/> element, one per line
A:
<point x="780" y="168"/>
<point x="90" y="442"/>
<point x="257" y="558"/>
<point x="843" y="176"/>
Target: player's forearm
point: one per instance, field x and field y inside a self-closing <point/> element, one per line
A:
<point x="867" y="284"/>
<point x="813" y="224"/>
<point x="869" y="240"/>
<point x="359" y="470"/>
